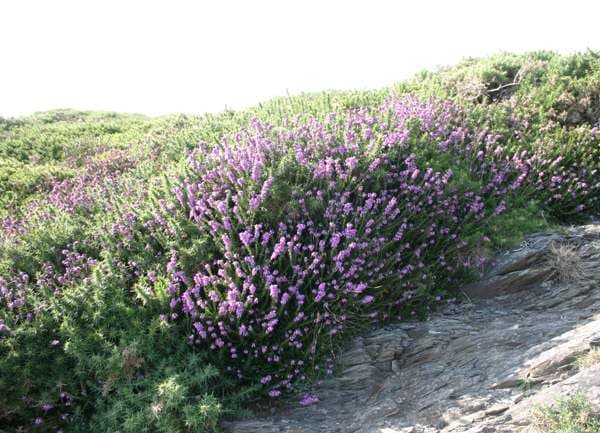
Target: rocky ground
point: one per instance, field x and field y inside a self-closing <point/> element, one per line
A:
<point x="480" y="366"/>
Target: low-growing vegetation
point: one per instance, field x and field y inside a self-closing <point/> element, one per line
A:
<point x="572" y="414"/>
<point x="158" y="274"/>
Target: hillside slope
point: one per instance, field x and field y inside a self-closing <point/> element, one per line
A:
<point x="160" y="274"/>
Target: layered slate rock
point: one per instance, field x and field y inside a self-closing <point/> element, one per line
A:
<point x="479" y="366"/>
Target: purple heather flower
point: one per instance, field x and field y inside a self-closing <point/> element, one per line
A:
<point x="265" y="380"/>
<point x="368" y="299"/>
<point x="246" y="237"/>
<point x="274" y="291"/>
<point x="309" y="399"/>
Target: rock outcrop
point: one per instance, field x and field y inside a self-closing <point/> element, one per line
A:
<point x="477" y="367"/>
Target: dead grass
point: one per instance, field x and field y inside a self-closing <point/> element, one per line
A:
<point x="588" y="359"/>
<point x="131" y="361"/>
<point x="565" y="262"/>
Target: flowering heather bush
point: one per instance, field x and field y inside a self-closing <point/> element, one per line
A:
<point x="148" y="282"/>
<point x="317" y="227"/>
<point x="315" y="230"/>
<point x="97" y="186"/>
<point x="24" y="302"/>
<point x="24" y="298"/>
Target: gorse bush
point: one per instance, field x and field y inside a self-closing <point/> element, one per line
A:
<point x="160" y="272"/>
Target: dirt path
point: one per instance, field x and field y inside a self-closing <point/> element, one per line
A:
<point x="475" y="367"/>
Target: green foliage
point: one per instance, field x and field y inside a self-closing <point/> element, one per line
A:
<point x="571" y="414"/>
<point x="136" y="373"/>
<point x="50" y="136"/>
<point x="19" y="180"/>
<point x="544" y="87"/>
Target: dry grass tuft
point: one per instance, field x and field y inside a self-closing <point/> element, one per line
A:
<point x="565" y="262"/>
<point x="588" y="359"/>
<point x="131" y="361"/>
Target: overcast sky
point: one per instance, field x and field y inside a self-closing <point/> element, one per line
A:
<point x="158" y="57"/>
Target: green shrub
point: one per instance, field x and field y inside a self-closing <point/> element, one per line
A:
<point x="570" y="415"/>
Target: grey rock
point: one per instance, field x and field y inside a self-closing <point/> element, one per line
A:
<point x="477" y="367"/>
<point x="516" y="270"/>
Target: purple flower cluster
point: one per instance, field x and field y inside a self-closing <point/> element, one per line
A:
<point x="88" y="189"/>
<point x="23" y="297"/>
<point x="566" y="185"/>
<point x="97" y="185"/>
<point x="12" y="226"/>
<point x="322" y="225"/>
<point x="309" y="399"/>
<point x="51" y="415"/>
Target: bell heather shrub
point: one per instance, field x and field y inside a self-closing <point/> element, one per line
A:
<point x="155" y="273"/>
<point x="317" y="228"/>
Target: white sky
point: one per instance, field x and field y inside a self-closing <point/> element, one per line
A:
<point x="158" y="57"/>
